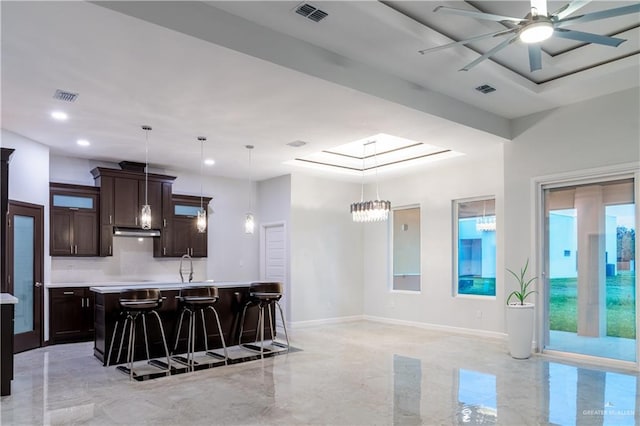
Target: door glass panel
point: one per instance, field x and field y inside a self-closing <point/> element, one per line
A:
<point x="23" y="270"/>
<point x="590" y="262"/>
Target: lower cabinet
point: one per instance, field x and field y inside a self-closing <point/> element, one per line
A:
<point x="71" y="314"/>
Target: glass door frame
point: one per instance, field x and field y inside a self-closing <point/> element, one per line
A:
<point x="539" y="253"/>
<point x="35" y="338"/>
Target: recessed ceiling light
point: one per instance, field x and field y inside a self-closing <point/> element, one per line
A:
<point x="209" y="162"/>
<point x="59" y="115"/>
<point x="83" y="142"/>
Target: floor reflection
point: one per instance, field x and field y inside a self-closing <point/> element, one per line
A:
<point x="568" y="395"/>
<point x="407" y="390"/>
<point x="477" y="398"/>
<point x="580" y="395"/>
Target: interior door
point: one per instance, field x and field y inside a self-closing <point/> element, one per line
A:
<point x="25" y="253"/>
<point x="274" y="261"/>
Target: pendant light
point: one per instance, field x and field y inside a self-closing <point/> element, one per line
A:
<point x="370" y="211"/>
<point x="249" y="221"/>
<point x="145" y="213"/>
<point x="201" y="222"/>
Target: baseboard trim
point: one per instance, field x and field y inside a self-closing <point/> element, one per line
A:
<point x="438" y="327"/>
<point x="324" y="321"/>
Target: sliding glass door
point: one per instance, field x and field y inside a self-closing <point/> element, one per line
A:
<point x="590" y="269"/>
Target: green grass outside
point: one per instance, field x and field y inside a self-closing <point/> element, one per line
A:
<point x="621" y="305"/>
<point x="477" y="285"/>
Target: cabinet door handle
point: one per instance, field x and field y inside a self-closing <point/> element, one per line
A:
<point x="136" y="220"/>
<point x="164" y="223"/>
<point x="71" y="248"/>
<point x="110" y="220"/>
<point x="164" y="251"/>
<point x="82" y="303"/>
<point x="68" y="293"/>
<point x="87" y="302"/>
<point x="109" y="250"/>
<point x="76" y="249"/>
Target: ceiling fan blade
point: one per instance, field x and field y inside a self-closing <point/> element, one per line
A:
<point x="535" y="57"/>
<point x="588" y="37"/>
<point x="468" y="40"/>
<point x="490" y="53"/>
<point x="477" y="15"/>
<point x="603" y="14"/>
<point x="569" y="8"/>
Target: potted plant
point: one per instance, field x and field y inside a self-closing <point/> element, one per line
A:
<point x="520" y="315"/>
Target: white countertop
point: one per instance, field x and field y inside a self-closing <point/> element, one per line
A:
<point x="118" y="287"/>
<point x="8" y="299"/>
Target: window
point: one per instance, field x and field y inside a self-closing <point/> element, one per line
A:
<point x="72" y="201"/>
<point x="406" y="249"/>
<point x="475" y="247"/>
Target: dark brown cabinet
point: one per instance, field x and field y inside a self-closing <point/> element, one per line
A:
<point x="74" y="220"/>
<point x="122" y="195"/>
<point x="185" y="238"/>
<point x="131" y="195"/>
<point x="71" y="314"/>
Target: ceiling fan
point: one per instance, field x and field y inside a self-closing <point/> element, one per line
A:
<point x="536" y="27"/>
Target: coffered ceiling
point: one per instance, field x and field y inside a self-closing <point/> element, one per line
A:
<point x="258" y="73"/>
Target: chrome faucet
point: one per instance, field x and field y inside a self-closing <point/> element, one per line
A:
<point x="186" y="256"/>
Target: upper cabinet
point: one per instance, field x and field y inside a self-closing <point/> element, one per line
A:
<point x="182" y="236"/>
<point x="74" y="220"/>
<point x="122" y="194"/>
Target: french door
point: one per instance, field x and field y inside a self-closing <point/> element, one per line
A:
<point x="25" y="253"/>
<point x="590" y="268"/>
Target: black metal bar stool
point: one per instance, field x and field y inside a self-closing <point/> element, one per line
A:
<point x="194" y="300"/>
<point x="137" y="304"/>
<point x="264" y="295"/>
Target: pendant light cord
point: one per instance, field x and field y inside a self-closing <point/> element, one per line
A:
<point x="250" y="148"/>
<point x="364" y="152"/>
<point x="201" y="161"/>
<point x="375" y="164"/>
<point x="146" y="164"/>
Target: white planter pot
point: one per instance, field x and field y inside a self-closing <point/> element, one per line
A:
<point x="520" y="329"/>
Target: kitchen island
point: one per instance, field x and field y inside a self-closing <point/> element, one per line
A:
<point x="232" y="298"/>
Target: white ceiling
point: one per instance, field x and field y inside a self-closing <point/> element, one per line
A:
<point x="190" y="69"/>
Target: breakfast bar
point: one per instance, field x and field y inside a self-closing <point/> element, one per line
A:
<point x="233" y="296"/>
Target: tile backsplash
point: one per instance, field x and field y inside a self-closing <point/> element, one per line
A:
<point x="132" y="260"/>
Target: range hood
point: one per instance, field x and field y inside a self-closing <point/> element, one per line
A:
<point x="119" y="231"/>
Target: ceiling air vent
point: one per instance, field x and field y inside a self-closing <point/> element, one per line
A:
<point x="297" y="144"/>
<point x="63" y="95"/>
<point x="311" y="12"/>
<point x="485" y="88"/>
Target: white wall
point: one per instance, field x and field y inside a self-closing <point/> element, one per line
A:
<point x="29" y="182"/>
<point x="434" y="188"/>
<point x="274" y="206"/>
<point x="326" y="250"/>
<point x="602" y="132"/>
<point x="233" y="255"/>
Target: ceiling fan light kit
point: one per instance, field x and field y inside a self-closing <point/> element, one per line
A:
<point x="536" y="27"/>
<point x="536" y="32"/>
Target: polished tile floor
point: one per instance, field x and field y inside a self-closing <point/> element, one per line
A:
<point x="359" y="373"/>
